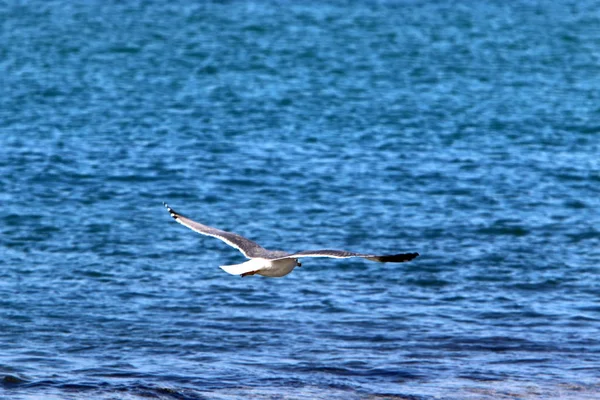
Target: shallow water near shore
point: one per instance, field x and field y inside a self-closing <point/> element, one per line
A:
<point x="467" y="133"/>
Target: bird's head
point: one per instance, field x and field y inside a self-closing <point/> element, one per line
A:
<point x="298" y="263"/>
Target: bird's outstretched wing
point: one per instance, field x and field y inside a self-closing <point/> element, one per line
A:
<point x="402" y="257"/>
<point x="248" y="248"/>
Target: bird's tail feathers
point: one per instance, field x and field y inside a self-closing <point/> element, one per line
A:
<point x="243" y="268"/>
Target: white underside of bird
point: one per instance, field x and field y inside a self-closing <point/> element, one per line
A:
<point x="273" y="263"/>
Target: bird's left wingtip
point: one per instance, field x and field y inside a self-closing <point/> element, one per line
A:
<point x="403" y="257"/>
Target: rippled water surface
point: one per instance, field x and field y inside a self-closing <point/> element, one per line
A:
<point x="467" y="132"/>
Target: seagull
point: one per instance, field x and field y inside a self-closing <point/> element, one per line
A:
<point x="272" y="263"/>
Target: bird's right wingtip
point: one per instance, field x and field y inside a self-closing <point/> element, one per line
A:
<point x="171" y="211"/>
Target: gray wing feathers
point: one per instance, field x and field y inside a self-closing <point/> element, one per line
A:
<point x="248" y="248"/>
<point x="253" y="250"/>
<point x="402" y="257"/>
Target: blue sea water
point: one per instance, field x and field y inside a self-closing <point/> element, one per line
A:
<point x="466" y="131"/>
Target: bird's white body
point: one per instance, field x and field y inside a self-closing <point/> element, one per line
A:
<point x="263" y="266"/>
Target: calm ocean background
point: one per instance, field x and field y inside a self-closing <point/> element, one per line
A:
<point x="466" y="131"/>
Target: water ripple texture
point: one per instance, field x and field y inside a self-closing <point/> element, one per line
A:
<point x="468" y="132"/>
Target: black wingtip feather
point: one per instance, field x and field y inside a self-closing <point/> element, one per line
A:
<point x="173" y="213"/>
<point x="398" y="257"/>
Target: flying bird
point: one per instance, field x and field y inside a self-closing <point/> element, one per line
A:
<point x="273" y="263"/>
